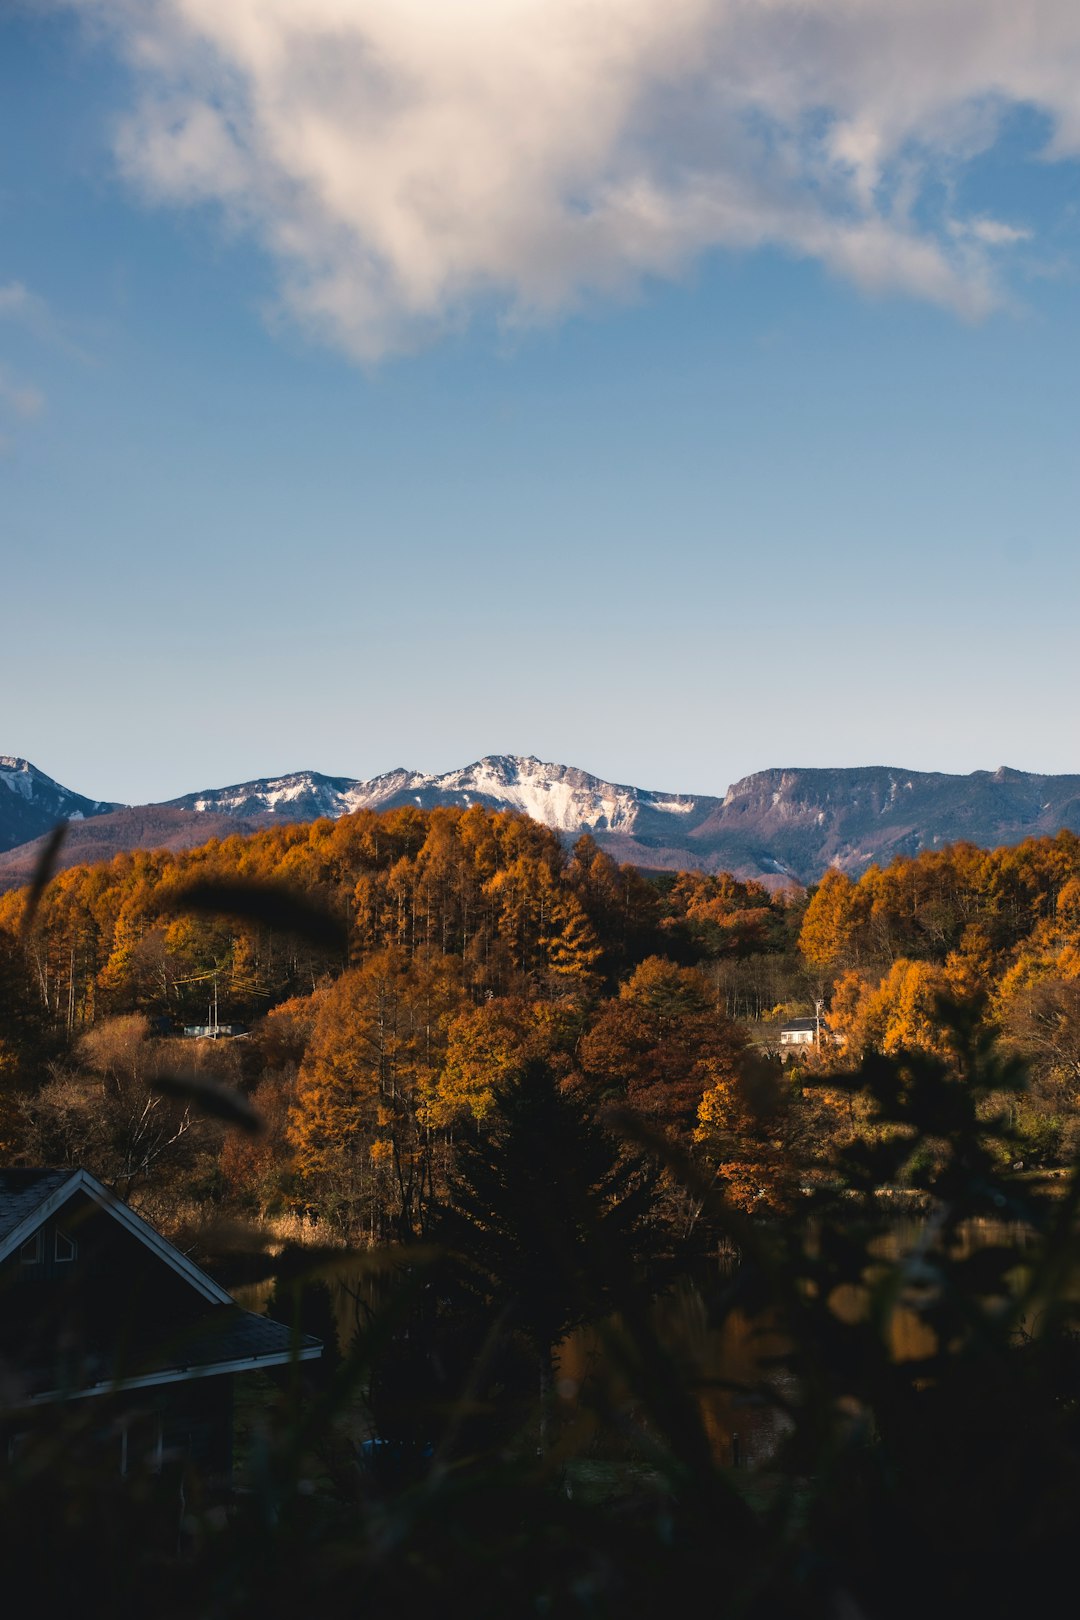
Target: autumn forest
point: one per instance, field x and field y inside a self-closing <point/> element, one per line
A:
<point x="471" y="943"/>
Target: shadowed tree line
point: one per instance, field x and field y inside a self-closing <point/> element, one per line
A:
<point x="928" y="1385"/>
<point x="926" y="1373"/>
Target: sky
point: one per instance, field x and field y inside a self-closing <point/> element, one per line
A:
<point x="672" y="391"/>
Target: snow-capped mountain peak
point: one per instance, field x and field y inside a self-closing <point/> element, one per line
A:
<point x="300" y="796"/>
<point x="561" y="796"/>
<point x="31" y="802"/>
<point x="776" y="824"/>
<point x="18" y="775"/>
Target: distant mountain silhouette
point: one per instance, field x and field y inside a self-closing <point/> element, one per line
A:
<point x="151" y="826"/>
<point x="31" y="803"/>
<point x="777" y="825"/>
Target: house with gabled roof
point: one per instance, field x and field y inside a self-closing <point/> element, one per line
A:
<point x="801" y="1032"/>
<point x="95" y="1303"/>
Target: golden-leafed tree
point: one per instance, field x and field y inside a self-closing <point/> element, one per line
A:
<point x="901" y="1012"/>
<point x="970" y="969"/>
<point x="542" y="923"/>
<point x="724" y="916"/>
<point x="743" y="1131"/>
<point x="828" y="939"/>
<point x="622" y="905"/>
<point x="571" y="949"/>
<point x="376" y="1049"/>
<point x="486" y="1047"/>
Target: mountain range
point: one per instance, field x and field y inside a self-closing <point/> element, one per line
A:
<point x="781" y="826"/>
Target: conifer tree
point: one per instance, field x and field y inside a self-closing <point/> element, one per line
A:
<point x="547" y="1215"/>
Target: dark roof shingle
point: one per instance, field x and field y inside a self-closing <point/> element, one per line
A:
<point x="21" y="1191"/>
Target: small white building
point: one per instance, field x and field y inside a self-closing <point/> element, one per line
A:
<point x="798" y="1032"/>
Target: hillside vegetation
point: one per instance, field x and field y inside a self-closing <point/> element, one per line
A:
<point x="469" y="943"/>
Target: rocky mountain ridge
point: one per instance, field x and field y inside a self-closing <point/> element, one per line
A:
<point x="31" y="803"/>
<point x="561" y="796"/>
<point x="783" y="825"/>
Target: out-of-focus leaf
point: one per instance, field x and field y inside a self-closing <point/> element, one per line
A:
<point x="271" y="904"/>
<point x="43" y="875"/>
<point x="210" y="1097"/>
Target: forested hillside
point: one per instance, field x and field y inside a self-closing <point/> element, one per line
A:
<point x="463" y="944"/>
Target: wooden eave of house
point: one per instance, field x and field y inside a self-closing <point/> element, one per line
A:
<point x="221" y="1338"/>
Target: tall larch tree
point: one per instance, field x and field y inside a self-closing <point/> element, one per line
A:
<point x="376" y="1049"/>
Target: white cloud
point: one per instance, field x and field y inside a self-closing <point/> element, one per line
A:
<point x="24" y="400"/>
<point x="404" y="160"/>
<point x="27" y="309"/>
<point x="14" y="298"/>
<point x="996" y="232"/>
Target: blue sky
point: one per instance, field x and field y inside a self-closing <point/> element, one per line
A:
<point x="697" y="445"/>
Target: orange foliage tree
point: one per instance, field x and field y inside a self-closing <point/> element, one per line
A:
<point x="660" y="1045"/>
<point x="486" y="1048"/>
<point x="829" y="935"/>
<point x="377" y="1047"/>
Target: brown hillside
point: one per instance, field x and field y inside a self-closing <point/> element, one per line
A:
<point x="150" y="826"/>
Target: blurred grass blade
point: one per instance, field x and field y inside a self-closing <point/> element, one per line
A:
<point x="44" y="872"/>
<point x="626" y="1123"/>
<point x="210" y="1097"/>
<point x="270" y="904"/>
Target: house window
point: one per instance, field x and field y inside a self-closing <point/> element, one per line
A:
<point x="64" y="1248"/>
<point x="32" y="1252"/>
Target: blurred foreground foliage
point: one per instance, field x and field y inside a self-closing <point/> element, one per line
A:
<point x="927" y="1377"/>
<point x="923" y="1377"/>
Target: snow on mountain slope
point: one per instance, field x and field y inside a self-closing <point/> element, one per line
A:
<point x="567" y="799"/>
<point x="561" y="796"/>
<point x="301" y="796"/>
<point x="31" y="802"/>
<point x="777" y="825"/>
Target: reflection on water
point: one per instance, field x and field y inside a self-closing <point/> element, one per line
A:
<point x="743" y="1424"/>
<point x="726" y="1360"/>
<point x="910" y="1337"/>
<point x="254" y="1296"/>
<point x="352" y="1294"/>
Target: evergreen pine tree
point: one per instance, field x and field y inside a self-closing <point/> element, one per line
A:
<point x="547" y="1214"/>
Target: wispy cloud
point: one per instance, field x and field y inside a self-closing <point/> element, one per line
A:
<point x="28" y="309"/>
<point x="21" y="398"/>
<point x="996" y="232"/>
<point x="403" y="162"/>
<point x="13" y="298"/>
